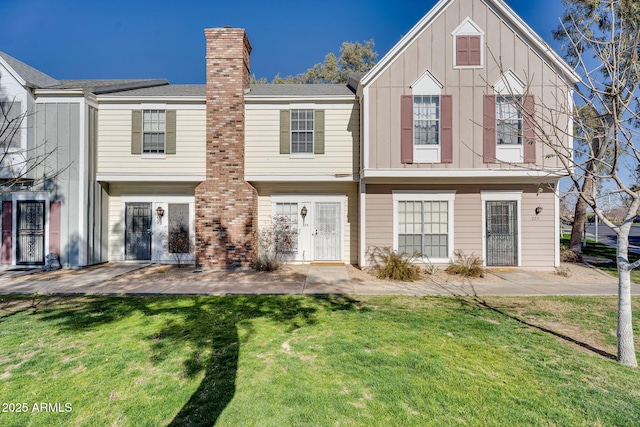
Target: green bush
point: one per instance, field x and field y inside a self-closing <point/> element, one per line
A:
<point x="466" y="265"/>
<point x="392" y="265"/>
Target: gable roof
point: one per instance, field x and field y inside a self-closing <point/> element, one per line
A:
<point x="33" y="78"/>
<point x="504" y="12"/>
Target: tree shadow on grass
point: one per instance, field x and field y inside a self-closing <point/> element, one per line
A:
<point x="208" y="326"/>
<point x="481" y="303"/>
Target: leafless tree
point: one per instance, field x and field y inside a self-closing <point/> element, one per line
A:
<point x="21" y="166"/>
<point x="602" y="39"/>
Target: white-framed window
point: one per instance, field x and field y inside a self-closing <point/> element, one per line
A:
<point x="286" y="215"/>
<point x="508" y="120"/>
<point x="423" y="224"/>
<point x="426" y="120"/>
<point x="153" y="131"/>
<point x="302" y="127"/>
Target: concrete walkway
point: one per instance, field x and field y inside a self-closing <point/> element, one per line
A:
<point x="319" y="280"/>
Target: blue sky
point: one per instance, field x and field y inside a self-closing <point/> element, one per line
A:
<point x="88" y="39"/>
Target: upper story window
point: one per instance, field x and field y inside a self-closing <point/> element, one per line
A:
<point x="426" y="123"/>
<point x="426" y="120"/>
<point x="302" y="131"/>
<point x="509" y="120"/>
<point x="11" y="118"/>
<point x="467" y="45"/>
<point x="153" y="131"/>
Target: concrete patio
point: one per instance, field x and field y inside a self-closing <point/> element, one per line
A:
<point x="319" y="280"/>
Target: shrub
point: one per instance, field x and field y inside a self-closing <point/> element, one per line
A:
<point x="466" y="265"/>
<point x="266" y="262"/>
<point x="431" y="269"/>
<point x="179" y="244"/>
<point x="392" y="265"/>
<point x="569" y="255"/>
<point x="275" y="243"/>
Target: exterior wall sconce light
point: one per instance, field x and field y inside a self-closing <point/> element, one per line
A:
<point x="303" y="212"/>
<point x="160" y="211"/>
<point x="538" y="210"/>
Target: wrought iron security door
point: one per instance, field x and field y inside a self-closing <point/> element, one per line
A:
<point x="30" y="218"/>
<point x="326" y="237"/>
<point x="138" y="218"/>
<point x="502" y="233"/>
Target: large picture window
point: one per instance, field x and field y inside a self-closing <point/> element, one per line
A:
<point x="424" y="224"/>
<point x="153" y="131"/>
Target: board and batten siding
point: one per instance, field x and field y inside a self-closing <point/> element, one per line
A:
<point x="349" y="190"/>
<point x="538" y="232"/>
<point x="114" y="145"/>
<point x="433" y="51"/>
<point x="342" y="142"/>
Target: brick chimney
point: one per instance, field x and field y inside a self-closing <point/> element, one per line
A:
<point x="226" y="205"/>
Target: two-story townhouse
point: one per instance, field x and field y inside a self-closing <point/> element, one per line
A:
<point x="301" y="154"/>
<point x="452" y="157"/>
<point x="434" y="150"/>
<point x="151" y="157"/>
<point x="58" y="205"/>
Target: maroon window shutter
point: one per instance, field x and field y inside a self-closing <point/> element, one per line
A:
<point x="474" y="50"/>
<point x="462" y="50"/>
<point x="528" y="133"/>
<point x="446" y="129"/>
<point x="7" y="233"/>
<point x="406" y="124"/>
<point x="489" y="129"/>
<point x="54" y="228"/>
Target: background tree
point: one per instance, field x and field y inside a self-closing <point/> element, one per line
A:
<point x="585" y="27"/>
<point x="354" y="58"/>
<point x="601" y="39"/>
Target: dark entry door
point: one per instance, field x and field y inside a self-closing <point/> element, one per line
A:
<point x="30" y="218"/>
<point x="502" y="233"/>
<point x="138" y="231"/>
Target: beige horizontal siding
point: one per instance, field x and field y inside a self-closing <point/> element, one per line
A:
<point x="114" y="146"/>
<point x="350" y="191"/>
<point x="342" y="140"/>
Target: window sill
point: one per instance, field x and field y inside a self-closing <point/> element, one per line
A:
<point x="467" y="67"/>
<point x="153" y="156"/>
<point x="301" y="156"/>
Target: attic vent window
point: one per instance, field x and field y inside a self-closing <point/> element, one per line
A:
<point x="468" y="40"/>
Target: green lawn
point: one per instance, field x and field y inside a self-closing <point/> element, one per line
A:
<point x="601" y="250"/>
<point x="316" y="361"/>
